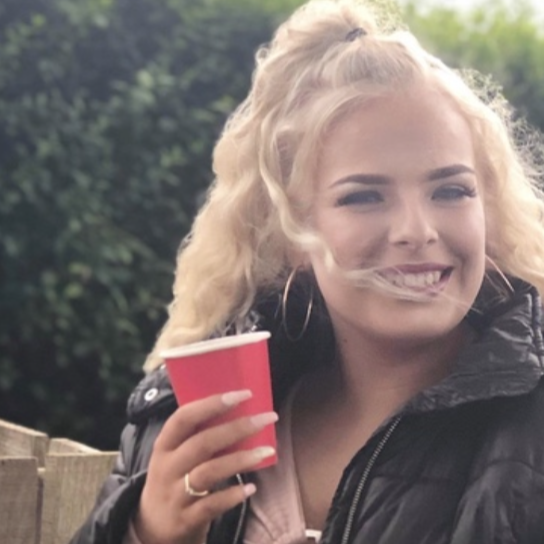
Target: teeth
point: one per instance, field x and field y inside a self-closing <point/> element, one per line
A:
<point x="424" y="279"/>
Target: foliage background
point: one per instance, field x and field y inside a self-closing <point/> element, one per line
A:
<point x="500" y="38"/>
<point x="109" y="111"/>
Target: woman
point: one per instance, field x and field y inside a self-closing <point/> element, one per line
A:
<point x="365" y="203"/>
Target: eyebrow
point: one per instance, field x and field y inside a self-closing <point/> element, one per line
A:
<point x="449" y="171"/>
<point x="432" y="175"/>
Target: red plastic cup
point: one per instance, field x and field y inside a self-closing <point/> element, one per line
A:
<point x="222" y="365"/>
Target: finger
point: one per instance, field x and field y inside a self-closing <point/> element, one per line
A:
<point x="209" y="474"/>
<point x="208" y="443"/>
<point x="206" y="509"/>
<point x="185" y="421"/>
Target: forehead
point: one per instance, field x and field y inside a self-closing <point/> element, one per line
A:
<point x="416" y="129"/>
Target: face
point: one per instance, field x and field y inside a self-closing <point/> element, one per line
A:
<point x="397" y="192"/>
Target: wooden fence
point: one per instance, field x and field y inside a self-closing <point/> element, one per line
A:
<point x="47" y="486"/>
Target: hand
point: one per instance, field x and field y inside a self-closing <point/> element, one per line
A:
<point x="167" y="513"/>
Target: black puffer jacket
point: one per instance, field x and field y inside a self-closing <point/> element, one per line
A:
<point x="461" y="463"/>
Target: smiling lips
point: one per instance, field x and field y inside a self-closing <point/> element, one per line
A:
<point x="426" y="277"/>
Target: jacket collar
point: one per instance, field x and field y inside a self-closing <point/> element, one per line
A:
<point x="505" y="360"/>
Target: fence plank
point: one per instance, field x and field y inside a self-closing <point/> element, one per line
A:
<point x="71" y="484"/>
<point x="17" y="441"/>
<point x="65" y="445"/>
<point x="47" y="487"/>
<point x="19" y="500"/>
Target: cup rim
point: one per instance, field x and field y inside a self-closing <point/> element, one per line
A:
<point x="215" y="344"/>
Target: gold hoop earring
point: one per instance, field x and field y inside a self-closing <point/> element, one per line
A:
<point x="505" y="282"/>
<point x="284" y="298"/>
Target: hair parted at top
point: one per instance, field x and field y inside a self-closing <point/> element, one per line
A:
<point x="324" y="61"/>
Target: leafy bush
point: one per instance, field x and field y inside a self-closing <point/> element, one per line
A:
<point x="495" y="37"/>
<point x="109" y="111"/>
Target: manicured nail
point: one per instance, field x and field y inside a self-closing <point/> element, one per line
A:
<point x="263" y="452"/>
<point x="249" y="489"/>
<point x="236" y="397"/>
<point x="262" y="420"/>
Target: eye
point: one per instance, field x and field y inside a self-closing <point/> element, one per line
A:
<point x="453" y="192"/>
<point x="360" y="198"/>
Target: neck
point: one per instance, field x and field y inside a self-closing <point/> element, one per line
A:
<point x="376" y="378"/>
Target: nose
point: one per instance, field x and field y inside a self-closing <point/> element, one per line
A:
<point x="412" y="225"/>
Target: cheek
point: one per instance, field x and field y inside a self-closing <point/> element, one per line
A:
<point x="478" y="228"/>
<point x="470" y="239"/>
<point x="351" y="239"/>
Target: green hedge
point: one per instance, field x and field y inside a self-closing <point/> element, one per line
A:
<point x="109" y="111"/>
<point x="494" y="36"/>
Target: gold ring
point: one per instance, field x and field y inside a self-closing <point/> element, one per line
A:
<point x="193" y="492"/>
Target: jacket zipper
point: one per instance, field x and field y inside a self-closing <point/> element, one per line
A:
<point x="356" y="497"/>
<point x="242" y="515"/>
<point x="364" y="479"/>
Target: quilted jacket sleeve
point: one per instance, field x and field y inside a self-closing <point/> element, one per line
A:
<point x="149" y="406"/>
<point x="503" y="500"/>
<point x="499" y="509"/>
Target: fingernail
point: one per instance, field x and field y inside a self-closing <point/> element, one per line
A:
<point x="236" y="397"/>
<point x="249" y="489"/>
<point x="263" y="452"/>
<point x="262" y="420"/>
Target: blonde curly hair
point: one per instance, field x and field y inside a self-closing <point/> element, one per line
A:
<point x="321" y="64"/>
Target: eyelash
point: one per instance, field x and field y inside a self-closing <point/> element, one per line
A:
<point x="361" y="198"/>
<point x="446" y="192"/>
<point x="454" y="192"/>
